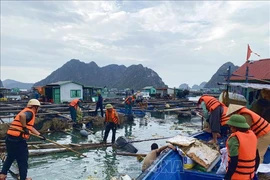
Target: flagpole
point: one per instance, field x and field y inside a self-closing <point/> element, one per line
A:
<point x="247" y="69"/>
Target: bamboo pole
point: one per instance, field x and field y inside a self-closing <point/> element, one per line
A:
<point x="88" y="146"/>
<point x="60" y="145"/>
<point x="153" y="139"/>
<point x="177" y="109"/>
<point x="130" y="154"/>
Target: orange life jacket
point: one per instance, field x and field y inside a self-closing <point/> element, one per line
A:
<point x="211" y="104"/>
<point x="111" y="117"/>
<point x="129" y="100"/>
<point x="16" y="123"/>
<point x="259" y="125"/>
<point x="74" y="103"/>
<point x="245" y="168"/>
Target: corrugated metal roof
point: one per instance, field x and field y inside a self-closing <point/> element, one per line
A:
<point x="148" y="87"/>
<point x="257" y="69"/>
<point x="249" y="85"/>
<point x="59" y="83"/>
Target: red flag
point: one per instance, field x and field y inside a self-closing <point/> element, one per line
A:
<point x="249" y="51"/>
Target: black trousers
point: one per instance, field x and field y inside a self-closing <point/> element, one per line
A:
<point x="99" y="106"/>
<point x="16" y="150"/>
<point x="73" y="113"/>
<point x="110" y="126"/>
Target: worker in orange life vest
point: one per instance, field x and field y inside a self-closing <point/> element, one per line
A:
<point x="73" y="106"/>
<point x="257" y="124"/>
<point x="111" y="122"/>
<point x="129" y="101"/>
<point x="217" y="117"/>
<point x="243" y="156"/>
<point x="17" y="135"/>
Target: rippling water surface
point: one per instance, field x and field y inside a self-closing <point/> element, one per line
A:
<point x="102" y="163"/>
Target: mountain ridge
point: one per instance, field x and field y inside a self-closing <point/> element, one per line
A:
<point x="112" y="76"/>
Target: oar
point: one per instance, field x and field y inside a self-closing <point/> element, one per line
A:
<point x="52" y="142"/>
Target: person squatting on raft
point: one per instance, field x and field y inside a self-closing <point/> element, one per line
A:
<point x="17" y="134"/>
<point x="73" y="106"/>
<point x="129" y="101"/>
<point x="111" y="122"/>
<point x="99" y="104"/>
<point x="257" y="124"/>
<point x="217" y="117"/>
<point x="243" y="156"/>
<point x="152" y="156"/>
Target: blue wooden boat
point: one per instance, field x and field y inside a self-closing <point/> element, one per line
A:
<point x="169" y="165"/>
<point x="136" y="112"/>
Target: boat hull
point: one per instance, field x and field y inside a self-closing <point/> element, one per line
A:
<point x="169" y="165"/>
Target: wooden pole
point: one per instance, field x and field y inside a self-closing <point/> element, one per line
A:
<point x="150" y="139"/>
<point x="60" y="145"/>
<point x="130" y="154"/>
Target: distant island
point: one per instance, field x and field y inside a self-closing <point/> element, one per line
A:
<point x="113" y="76"/>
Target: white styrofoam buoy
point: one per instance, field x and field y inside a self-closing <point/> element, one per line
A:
<point x="84" y="133"/>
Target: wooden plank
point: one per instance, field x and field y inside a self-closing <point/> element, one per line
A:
<point x="202" y="154"/>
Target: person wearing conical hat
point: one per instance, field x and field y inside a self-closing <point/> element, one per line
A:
<point x="243" y="156"/>
<point x="257" y="124"/>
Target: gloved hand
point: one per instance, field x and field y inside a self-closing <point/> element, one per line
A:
<point x="26" y="131"/>
<point x="118" y="125"/>
<point x="104" y="123"/>
<point x="42" y="137"/>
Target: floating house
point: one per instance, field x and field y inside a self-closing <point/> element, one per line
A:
<point x="63" y="91"/>
<point x="152" y="91"/>
<point x="90" y="93"/>
<point x="252" y="80"/>
<point x="166" y="91"/>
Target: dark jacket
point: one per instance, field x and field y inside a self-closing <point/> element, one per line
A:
<point x="100" y="100"/>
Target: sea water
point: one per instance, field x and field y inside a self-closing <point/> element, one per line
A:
<point x="103" y="163"/>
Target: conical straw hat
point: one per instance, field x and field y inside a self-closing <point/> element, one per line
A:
<point x="233" y="108"/>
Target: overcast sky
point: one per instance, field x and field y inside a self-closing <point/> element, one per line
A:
<point x="184" y="42"/>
